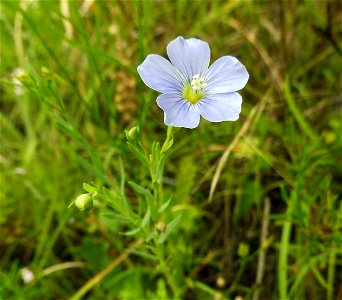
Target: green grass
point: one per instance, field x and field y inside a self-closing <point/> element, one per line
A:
<point x="256" y="206"/>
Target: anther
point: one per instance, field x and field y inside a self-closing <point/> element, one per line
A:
<point x="198" y="82"/>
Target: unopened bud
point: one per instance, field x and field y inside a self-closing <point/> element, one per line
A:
<point x="132" y="134"/>
<point x="84" y="202"/>
<point x="243" y="249"/>
<point x="161" y="226"/>
<point x="22" y="76"/>
<point x="46" y="72"/>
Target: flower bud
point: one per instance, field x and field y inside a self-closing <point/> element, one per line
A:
<point x="84" y="202"/>
<point x="243" y="249"/>
<point x="22" y="76"/>
<point x="161" y="226"/>
<point x="132" y="134"/>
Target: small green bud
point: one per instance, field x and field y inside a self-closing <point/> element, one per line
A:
<point x="132" y="134"/>
<point x="329" y="137"/>
<point x="84" y="202"/>
<point x="161" y="226"/>
<point x="51" y="76"/>
<point x="23" y="76"/>
<point x="46" y="72"/>
<point x="243" y="249"/>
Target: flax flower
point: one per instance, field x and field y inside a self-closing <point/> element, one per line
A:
<point x="190" y="88"/>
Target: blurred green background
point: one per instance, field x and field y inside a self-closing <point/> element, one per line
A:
<point x="69" y="88"/>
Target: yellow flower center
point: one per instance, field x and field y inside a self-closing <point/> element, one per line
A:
<point x="193" y="92"/>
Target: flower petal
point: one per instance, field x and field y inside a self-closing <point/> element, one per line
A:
<point x="159" y="74"/>
<point x="178" y="112"/>
<point x="190" y="56"/>
<point x="220" y="107"/>
<point x="226" y="75"/>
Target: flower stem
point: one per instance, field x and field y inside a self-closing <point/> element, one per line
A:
<point x="283" y="253"/>
<point x="331" y="276"/>
<point x="159" y="250"/>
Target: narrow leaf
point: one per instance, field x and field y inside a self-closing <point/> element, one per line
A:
<point x="169" y="228"/>
<point x="138" y="154"/>
<point x="140" y="190"/>
<point x="165" y="205"/>
<point x="160" y="170"/>
<point x="146" y="219"/>
<point x="88" y="188"/>
<point x="132" y="232"/>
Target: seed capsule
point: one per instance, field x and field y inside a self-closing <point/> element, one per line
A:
<point x="84" y="202"/>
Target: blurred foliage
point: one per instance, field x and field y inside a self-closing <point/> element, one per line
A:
<point x="69" y="89"/>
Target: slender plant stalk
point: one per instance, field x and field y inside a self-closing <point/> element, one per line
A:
<point x="331" y="276"/>
<point x="159" y="248"/>
<point x="303" y="124"/>
<point x="283" y="253"/>
<point x="141" y="101"/>
<point x="158" y="190"/>
<point x="262" y="253"/>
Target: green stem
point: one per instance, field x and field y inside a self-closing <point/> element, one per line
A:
<point x="159" y="249"/>
<point x="157" y="188"/>
<point x="331" y="276"/>
<point x="283" y="253"/>
<point x="140" y="14"/>
<point x="157" y="193"/>
<point x="296" y="112"/>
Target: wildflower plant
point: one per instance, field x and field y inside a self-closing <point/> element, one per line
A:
<point x="168" y="212"/>
<point x="190" y="89"/>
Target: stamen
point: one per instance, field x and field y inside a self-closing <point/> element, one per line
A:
<point x="198" y="82"/>
<point x="193" y="92"/>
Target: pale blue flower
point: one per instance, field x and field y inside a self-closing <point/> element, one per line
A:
<point x="190" y="87"/>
